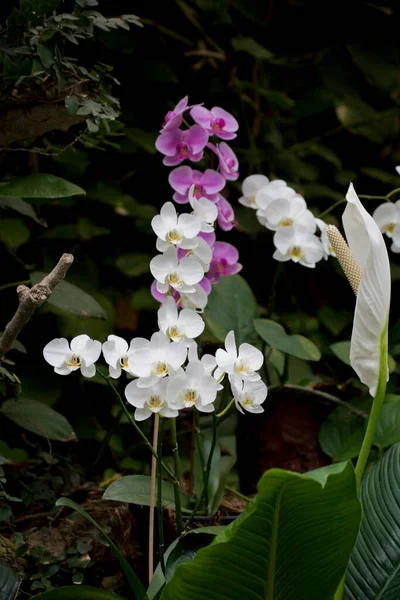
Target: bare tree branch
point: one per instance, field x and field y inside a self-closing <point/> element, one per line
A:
<point x="30" y="299"/>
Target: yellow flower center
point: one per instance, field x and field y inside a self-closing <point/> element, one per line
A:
<point x="253" y="200"/>
<point x="160" y="369"/>
<point x="174" y="333"/>
<point x="296" y="252"/>
<point x="286" y="222"/>
<point x="389" y="228"/>
<point x="243" y="365"/>
<point x="174" y="280"/>
<point x="75" y="361"/>
<point x="174" y="237"/>
<point x="190" y="397"/>
<point x="123" y="361"/>
<point x="248" y="400"/>
<point x="155" y="402"/>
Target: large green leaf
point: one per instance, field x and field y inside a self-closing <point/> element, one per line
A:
<point x="374" y="568"/>
<point x="341" y="434"/>
<point x="40" y="185"/>
<point x="232" y="305"/>
<point x="135" y="489"/>
<point x="131" y="577"/>
<point x="296" y="345"/>
<point x="21" y="207"/>
<point x="292" y="543"/>
<point x="72" y="299"/>
<point x="9" y="582"/>
<point x="38" y="418"/>
<point x="78" y="592"/>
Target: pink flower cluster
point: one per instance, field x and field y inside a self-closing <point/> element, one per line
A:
<point x="178" y="145"/>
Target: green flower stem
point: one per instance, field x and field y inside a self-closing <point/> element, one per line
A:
<point x="393" y="192"/>
<point x="370" y="431"/>
<point x="159" y="496"/>
<point x="375" y="410"/>
<point x="177" y="464"/>
<point x="200" y="500"/>
<point x="136" y="426"/>
<point x="236" y="493"/>
<point x="226" y="409"/>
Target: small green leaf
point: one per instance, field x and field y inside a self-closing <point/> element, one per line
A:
<point x="133" y="264"/>
<point x="38" y="418"/>
<point x="72" y="299"/>
<point x="46" y="55"/>
<point x="71" y="104"/>
<point x="13" y="233"/>
<point x="341" y="434"/>
<point x="387" y="430"/>
<point x="342" y="351"/>
<point x="135" y="489"/>
<point x="22" y="207"/>
<point x="335" y="320"/>
<point x="232" y="305"/>
<point x="9" y="582"/>
<point x="131" y="577"/>
<point x="40" y="185"/>
<point x="249" y="45"/>
<point x="296" y="345"/>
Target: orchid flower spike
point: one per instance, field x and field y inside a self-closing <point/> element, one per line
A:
<point x="366" y="264"/>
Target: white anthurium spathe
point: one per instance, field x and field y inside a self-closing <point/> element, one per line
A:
<point x="161" y="358"/>
<point x="249" y="395"/>
<point x="387" y="217"/>
<point x="150" y="400"/>
<point x="192" y="387"/>
<point x="81" y="354"/>
<point x="250" y="187"/>
<point x="373" y="298"/>
<point x="195" y="301"/>
<point x="181" y="275"/>
<point x="179" y="326"/>
<point x="289" y="212"/>
<point x="298" y="246"/>
<point x="175" y="230"/>
<point x="240" y="364"/>
<point x="117" y="353"/>
<point x="326" y="245"/>
<point x="204" y="210"/>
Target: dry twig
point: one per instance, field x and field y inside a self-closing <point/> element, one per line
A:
<point x="30" y="299"/>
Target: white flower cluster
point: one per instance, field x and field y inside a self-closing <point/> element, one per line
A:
<point x="387" y="217"/>
<point x="164" y="383"/>
<point x="186" y="256"/>
<point x="280" y="209"/>
<point x="169" y="374"/>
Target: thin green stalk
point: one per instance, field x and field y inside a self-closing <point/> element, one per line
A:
<point x="370" y="431"/>
<point x="375" y="410"/>
<point x="159" y="496"/>
<point x="108" y="437"/>
<point x="136" y="426"/>
<point x="364" y="197"/>
<point x="177" y="464"/>
<point x="14" y="284"/>
<point x="390" y="194"/>
<point x="331" y="208"/>
<point x="236" y="493"/>
<point x="226" y="409"/>
<point x="207" y="477"/>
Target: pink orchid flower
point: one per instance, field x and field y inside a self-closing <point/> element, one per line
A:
<point x="226" y="215"/>
<point x="207" y="184"/>
<point x="173" y="118"/>
<point x="178" y="145"/>
<point x="224" y="262"/>
<point x="228" y="162"/>
<point x="216" y="121"/>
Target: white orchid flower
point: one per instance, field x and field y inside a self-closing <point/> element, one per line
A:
<point x="366" y="264"/>
<point x="159" y="359"/>
<point x="249" y="395"/>
<point x="250" y="187"/>
<point x="196" y="301"/>
<point x="326" y="245"/>
<point x="387" y="217"/>
<point x="204" y="210"/>
<point x="289" y="212"/>
<point x="240" y="364"/>
<point x="208" y="361"/>
<point x="298" y="246"/>
<point x="173" y="230"/>
<point x="149" y="400"/>
<point x="179" y="327"/>
<point x="275" y="190"/>
<point x="192" y="387"/>
<point x="82" y="354"/>
<point x="181" y="275"/>
<point x="117" y="353"/>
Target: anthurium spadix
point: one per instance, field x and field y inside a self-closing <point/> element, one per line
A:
<point x="365" y="262"/>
